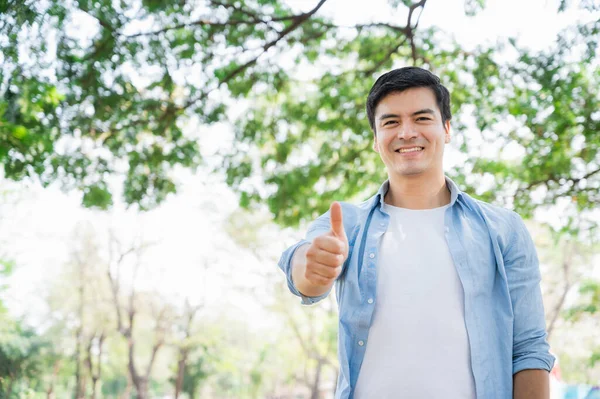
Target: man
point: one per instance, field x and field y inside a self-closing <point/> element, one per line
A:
<point x="438" y="293"/>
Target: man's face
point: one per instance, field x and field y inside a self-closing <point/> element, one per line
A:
<point x="410" y="135"/>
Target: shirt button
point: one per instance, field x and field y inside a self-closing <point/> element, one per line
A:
<point x="382" y="224"/>
<point x="447" y="229"/>
<point x="372" y="255"/>
<point x="370" y="300"/>
<point x="361" y="343"/>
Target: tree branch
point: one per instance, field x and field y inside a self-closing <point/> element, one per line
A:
<point x="385" y="59"/>
<point x="255" y="17"/>
<point x="298" y="335"/>
<point x="159" y="339"/>
<point x="298" y="20"/>
<point x="566" y="269"/>
<point x="359" y="27"/>
<point x="155" y="349"/>
<point x="101" y="21"/>
<point x="115" y="280"/>
<point x="586" y="176"/>
<point x="407" y="31"/>
<point x="412" y="9"/>
<point x="199" y="22"/>
<point x="555" y="179"/>
<point x="99" y="360"/>
<point x="561" y="301"/>
<point x="411" y="36"/>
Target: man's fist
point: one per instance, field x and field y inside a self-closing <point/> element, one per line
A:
<point x="328" y="252"/>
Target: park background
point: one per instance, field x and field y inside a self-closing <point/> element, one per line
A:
<point x="157" y="156"/>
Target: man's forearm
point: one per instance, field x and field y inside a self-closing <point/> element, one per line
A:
<point x="298" y="272"/>
<point x="531" y="384"/>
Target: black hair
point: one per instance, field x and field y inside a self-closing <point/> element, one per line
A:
<point x="405" y="78"/>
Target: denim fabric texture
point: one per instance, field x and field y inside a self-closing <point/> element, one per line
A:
<point x="497" y="265"/>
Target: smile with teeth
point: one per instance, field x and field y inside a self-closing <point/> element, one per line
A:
<point x="412" y="149"/>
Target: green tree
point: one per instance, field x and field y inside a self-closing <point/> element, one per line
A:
<point x="538" y="110"/>
<point x="567" y="264"/>
<point x="87" y="93"/>
<point x="80" y="111"/>
<point x="304" y="358"/>
<point x="113" y="96"/>
<point x="20" y="356"/>
<point x="585" y="313"/>
<point x="196" y="371"/>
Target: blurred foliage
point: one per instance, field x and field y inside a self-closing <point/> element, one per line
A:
<point x="538" y="110"/>
<point x="586" y="311"/>
<point x="6" y="269"/>
<point x="23" y="353"/>
<point x="590" y="301"/>
<point x="568" y="268"/>
<point x="20" y="357"/>
<point x="195" y="374"/>
<point x="94" y="89"/>
<point x="226" y="357"/>
<point x="79" y="105"/>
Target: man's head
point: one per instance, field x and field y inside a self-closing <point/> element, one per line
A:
<point x="405" y="78"/>
<point x="409" y="111"/>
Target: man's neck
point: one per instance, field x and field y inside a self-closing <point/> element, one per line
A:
<point x="418" y="192"/>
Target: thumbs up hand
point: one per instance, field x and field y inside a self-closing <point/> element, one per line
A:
<point x="328" y="252"/>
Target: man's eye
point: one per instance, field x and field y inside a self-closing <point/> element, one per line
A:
<point x="423" y="119"/>
<point x="388" y="123"/>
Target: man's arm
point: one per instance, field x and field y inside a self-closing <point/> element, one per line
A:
<point x="531" y="384"/>
<point x="532" y="360"/>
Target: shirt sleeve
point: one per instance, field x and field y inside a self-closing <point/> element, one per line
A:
<point x="530" y="346"/>
<point x="318" y="227"/>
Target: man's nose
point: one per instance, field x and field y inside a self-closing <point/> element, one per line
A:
<point x="407" y="131"/>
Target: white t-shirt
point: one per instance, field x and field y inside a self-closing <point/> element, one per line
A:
<point x="418" y="345"/>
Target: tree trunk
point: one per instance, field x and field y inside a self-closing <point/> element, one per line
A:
<point x="140" y="383"/>
<point x="180" y="372"/>
<point x="50" y="390"/>
<point x="79" y="377"/>
<point x="184" y="349"/>
<point x="97" y="373"/>
<point x="139" y="379"/>
<point x="141" y="388"/>
<point x="566" y="267"/>
<point x="10" y="388"/>
<point x="94" y="387"/>
<point x="79" y="372"/>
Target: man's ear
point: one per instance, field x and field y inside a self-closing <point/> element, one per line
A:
<point x="375" y="146"/>
<point x="448" y="134"/>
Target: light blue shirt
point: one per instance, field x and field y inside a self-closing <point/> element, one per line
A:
<point x="497" y="264"/>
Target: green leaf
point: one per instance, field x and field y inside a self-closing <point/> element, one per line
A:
<point x="97" y="196"/>
<point x="20" y="132"/>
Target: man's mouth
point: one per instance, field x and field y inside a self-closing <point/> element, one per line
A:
<point x="411" y="149"/>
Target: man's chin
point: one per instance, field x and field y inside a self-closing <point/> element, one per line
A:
<point x="411" y="172"/>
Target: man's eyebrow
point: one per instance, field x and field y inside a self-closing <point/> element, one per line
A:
<point x="419" y="112"/>
<point x="424" y="111"/>
<point x="387" y="116"/>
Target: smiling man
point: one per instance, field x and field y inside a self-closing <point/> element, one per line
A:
<point x="438" y="293"/>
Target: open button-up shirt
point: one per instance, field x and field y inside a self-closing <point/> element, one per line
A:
<point x="497" y="264"/>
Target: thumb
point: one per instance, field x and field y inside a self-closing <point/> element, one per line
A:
<point x="337" y="222"/>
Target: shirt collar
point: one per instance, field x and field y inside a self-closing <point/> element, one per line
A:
<point x="454" y="192"/>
